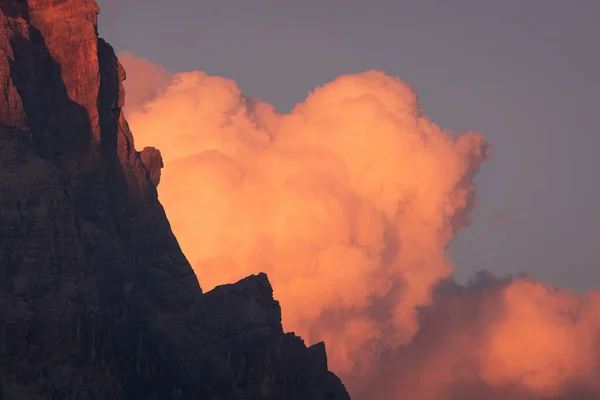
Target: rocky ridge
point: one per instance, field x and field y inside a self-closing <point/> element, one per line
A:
<point x="97" y="300"/>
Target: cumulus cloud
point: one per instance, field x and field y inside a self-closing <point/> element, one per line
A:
<point x="348" y="202"/>
<point x="146" y="82"/>
<point x="496" y="339"/>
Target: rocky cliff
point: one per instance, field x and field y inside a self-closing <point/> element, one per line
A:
<point x="97" y="300"/>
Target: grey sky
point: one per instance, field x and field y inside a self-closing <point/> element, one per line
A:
<point x="521" y="72"/>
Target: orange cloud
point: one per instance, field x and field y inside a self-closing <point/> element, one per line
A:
<point x="348" y="202"/>
<point x="544" y="338"/>
<point x="510" y="339"/>
<point x="147" y="81"/>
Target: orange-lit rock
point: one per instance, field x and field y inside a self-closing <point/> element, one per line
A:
<point x="96" y="299"/>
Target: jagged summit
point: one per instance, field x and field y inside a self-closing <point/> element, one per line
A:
<point x="97" y="300"/>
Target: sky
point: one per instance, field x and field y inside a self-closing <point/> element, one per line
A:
<point x="522" y="73"/>
<point x="339" y="147"/>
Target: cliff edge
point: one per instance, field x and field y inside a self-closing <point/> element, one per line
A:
<point x="97" y="300"/>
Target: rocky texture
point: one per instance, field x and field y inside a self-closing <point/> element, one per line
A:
<point x="96" y="299"/>
<point x="153" y="162"/>
<point x="267" y="362"/>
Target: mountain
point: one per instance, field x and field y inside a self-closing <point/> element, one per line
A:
<point x="97" y="301"/>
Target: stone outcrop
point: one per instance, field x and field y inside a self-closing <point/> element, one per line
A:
<point x="97" y="300"/>
<point x="153" y="162"/>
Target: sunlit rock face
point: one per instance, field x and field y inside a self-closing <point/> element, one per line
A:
<point x="97" y="300"/>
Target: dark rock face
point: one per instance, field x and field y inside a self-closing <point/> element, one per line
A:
<point x="97" y="300"/>
<point x="153" y="162"/>
<point x="267" y="362"/>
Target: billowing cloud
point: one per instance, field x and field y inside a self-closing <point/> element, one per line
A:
<point x="348" y="202"/>
<point x="147" y="81"/>
<point x="495" y="340"/>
